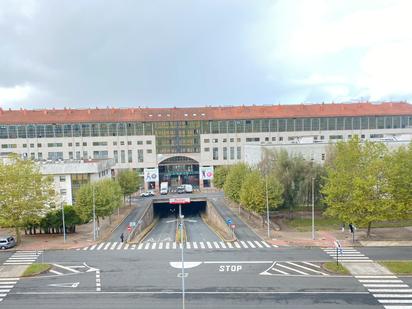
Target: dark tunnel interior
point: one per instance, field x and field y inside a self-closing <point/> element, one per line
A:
<point x="163" y="210"/>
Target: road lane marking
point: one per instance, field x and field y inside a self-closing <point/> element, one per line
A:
<point x="107" y="246"/>
<point x="392" y="295"/>
<point x="265" y="244"/>
<point x="161" y="245"/>
<point x="195" y="245"/>
<point x="376" y="277"/>
<point x="244" y="244"/>
<point x="188" y="245"/>
<point x="55" y="272"/>
<point x="216" y="245"/>
<point x="223" y="244"/>
<point x="147" y="246"/>
<point x="154" y="246"/>
<point x="126" y="246"/>
<point x="92" y="247"/>
<point x="113" y="245"/>
<point x="120" y="246"/>
<point x="307" y="268"/>
<point x="174" y="245"/>
<point x="66" y="268"/>
<point x="380" y="281"/>
<point x="251" y="244"/>
<point x="258" y="244"/>
<point x="390" y="290"/>
<point x="292" y="269"/>
<point x="202" y="245"/>
<point x="311" y="264"/>
<point x="237" y="245"/>
<point x="101" y="245"/>
<point x="167" y="245"/>
<point x="385" y="285"/>
<point x="229" y="245"/>
<point x="209" y="245"/>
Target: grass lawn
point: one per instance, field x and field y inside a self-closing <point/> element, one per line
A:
<point x="337" y="269"/>
<point x="398" y="267"/>
<point x="321" y="223"/>
<point x="400" y="223"/>
<point x="35" y="269"/>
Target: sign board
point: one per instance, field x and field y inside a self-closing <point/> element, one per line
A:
<point x="151" y="174"/>
<point x="229" y="221"/>
<point x="232" y="226"/>
<point x="337" y="244"/>
<point x="179" y="200"/>
<point x="129" y="228"/>
<point x="206" y="172"/>
<point x="132" y="224"/>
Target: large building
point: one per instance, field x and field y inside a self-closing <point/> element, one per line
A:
<point x="182" y="145"/>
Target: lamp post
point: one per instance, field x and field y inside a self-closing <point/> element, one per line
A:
<point x="183" y="260"/>
<point x="94" y="216"/>
<point x="267" y="206"/>
<point x="64" y="225"/>
<point x="313" y="208"/>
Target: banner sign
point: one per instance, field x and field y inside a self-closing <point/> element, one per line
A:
<point x="151" y="174"/>
<point x="206" y="172"/>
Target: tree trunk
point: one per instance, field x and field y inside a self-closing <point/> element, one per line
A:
<point x="18" y="238"/>
<point x="368" y="233"/>
<point x="130" y="200"/>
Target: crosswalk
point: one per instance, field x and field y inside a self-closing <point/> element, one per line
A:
<point x="6" y="284"/>
<point x="26" y="257"/>
<point x="295" y="268"/>
<point x="347" y="255"/>
<point x="169" y="245"/>
<point x="389" y="290"/>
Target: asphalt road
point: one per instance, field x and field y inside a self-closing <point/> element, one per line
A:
<point x="165" y="230"/>
<point x="219" y="279"/>
<point x="197" y="230"/>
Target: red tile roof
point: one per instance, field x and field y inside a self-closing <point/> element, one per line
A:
<point x="23" y="116"/>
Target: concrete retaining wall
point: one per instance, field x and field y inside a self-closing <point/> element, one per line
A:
<point x="142" y="225"/>
<point x="216" y="221"/>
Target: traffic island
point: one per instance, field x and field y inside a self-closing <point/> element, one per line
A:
<point x="36" y="269"/>
<point x="398" y="267"/>
<point x="335" y="268"/>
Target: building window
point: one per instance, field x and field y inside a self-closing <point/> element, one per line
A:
<point x="239" y="139"/>
<point x="149" y="151"/>
<point x="224" y="140"/>
<point x="39" y="156"/>
<point x="232" y="140"/>
<point x="55" y="155"/>
<point x="32" y="156"/>
<point x="129" y="143"/>
<point x="85" y="155"/>
<point x="121" y="143"/>
<point x="266" y="139"/>
<point x="280" y="138"/>
<point x="139" y="142"/>
<point x="71" y="155"/>
<point x="63" y="191"/>
<point x="99" y="144"/>
<point x="232" y="153"/>
<point x="215" y="140"/>
<point x="31" y="145"/>
<point x="116" y="156"/>
<point x="122" y="156"/>
<point x="148" y="142"/>
<point x="140" y="155"/>
<point x="100" y="154"/>
<point x="224" y="153"/>
<point x="55" y="145"/>
<point x="323" y="156"/>
<point x="39" y="145"/>
<point x="207" y="149"/>
<point x="206" y="140"/>
<point x="274" y="139"/>
<point x="215" y="153"/>
<point x="129" y="156"/>
<point x="62" y="178"/>
<point x="70" y="144"/>
<point x="239" y="153"/>
<point x="84" y="144"/>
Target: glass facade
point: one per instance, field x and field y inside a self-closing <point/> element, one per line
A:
<point x="184" y="136"/>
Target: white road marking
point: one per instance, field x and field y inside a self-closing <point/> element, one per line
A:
<point x="229" y="245"/>
<point x="202" y="245"/>
<point x="120" y="246"/>
<point x="237" y="245"/>
<point x="167" y="245"/>
<point x="161" y="245"/>
<point x="386" y="285"/>
<point x="126" y="246"/>
<point x="216" y="245"/>
<point x="307" y="268"/>
<point x="113" y="245"/>
<point x="244" y="244"/>
<point x="153" y="246"/>
<point x="66" y="268"/>
<point x="5" y="291"/>
<point x="107" y="246"/>
<point x="209" y="245"/>
<point x="10" y="279"/>
<point x="279" y="271"/>
<point x="265" y="244"/>
<point x="188" y="245"/>
<point x="292" y="269"/>
<point x="147" y="246"/>
<point x="223" y="244"/>
<point x="100" y="246"/>
<point x="380" y="281"/>
<point x="392" y="295"/>
<point x="258" y="244"/>
<point x="395" y="301"/>
<point x="174" y="245"/>
<point x="313" y="265"/>
<point x="251" y="244"/>
<point x="390" y="290"/>
<point x="140" y="246"/>
<point x="376" y="277"/>
<point x="195" y="245"/>
<point x="92" y="247"/>
<point x="55" y="272"/>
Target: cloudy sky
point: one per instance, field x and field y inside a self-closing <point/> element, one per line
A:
<point x="164" y="53"/>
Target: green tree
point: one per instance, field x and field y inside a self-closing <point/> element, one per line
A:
<point x="356" y="186"/>
<point x="129" y="182"/>
<point x="25" y="194"/>
<point x="234" y="181"/>
<point x="399" y="175"/>
<point x="219" y="176"/>
<point x="107" y="197"/>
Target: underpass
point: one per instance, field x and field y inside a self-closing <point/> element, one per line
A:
<point x="167" y="216"/>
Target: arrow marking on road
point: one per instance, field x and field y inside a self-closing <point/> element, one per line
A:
<point x="66" y="285"/>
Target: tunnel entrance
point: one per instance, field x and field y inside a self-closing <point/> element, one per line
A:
<point x="193" y="209"/>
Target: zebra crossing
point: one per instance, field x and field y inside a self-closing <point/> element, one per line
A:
<point x="169" y="245"/>
<point x="389" y="290"/>
<point x="26" y="257"/>
<point x="295" y="268"/>
<point x="6" y="284"/>
<point x="347" y="254"/>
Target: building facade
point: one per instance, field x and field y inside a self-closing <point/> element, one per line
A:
<point x="182" y="145"/>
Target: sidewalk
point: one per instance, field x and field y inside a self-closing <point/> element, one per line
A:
<point x="82" y="238"/>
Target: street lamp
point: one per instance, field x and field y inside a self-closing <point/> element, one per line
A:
<point x="64" y="225"/>
<point x="94" y="216"/>
<point x="267" y="206"/>
<point x="313" y="208"/>
<point x="183" y="260"/>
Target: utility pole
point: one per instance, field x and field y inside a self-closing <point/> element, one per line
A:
<point x="183" y="260"/>
<point x="267" y="206"/>
<point x="94" y="216"/>
<point x="64" y="225"/>
<point x="313" y="208"/>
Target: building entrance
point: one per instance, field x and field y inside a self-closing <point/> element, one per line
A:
<point x="179" y="170"/>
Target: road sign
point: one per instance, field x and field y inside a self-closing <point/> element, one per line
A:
<point x="184" y="200"/>
<point x="132" y="224"/>
<point x="232" y="226"/>
<point x="129" y="228"/>
<point x="229" y="221"/>
<point x="337" y="244"/>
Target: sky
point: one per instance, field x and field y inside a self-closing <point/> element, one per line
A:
<point x="164" y="53"/>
